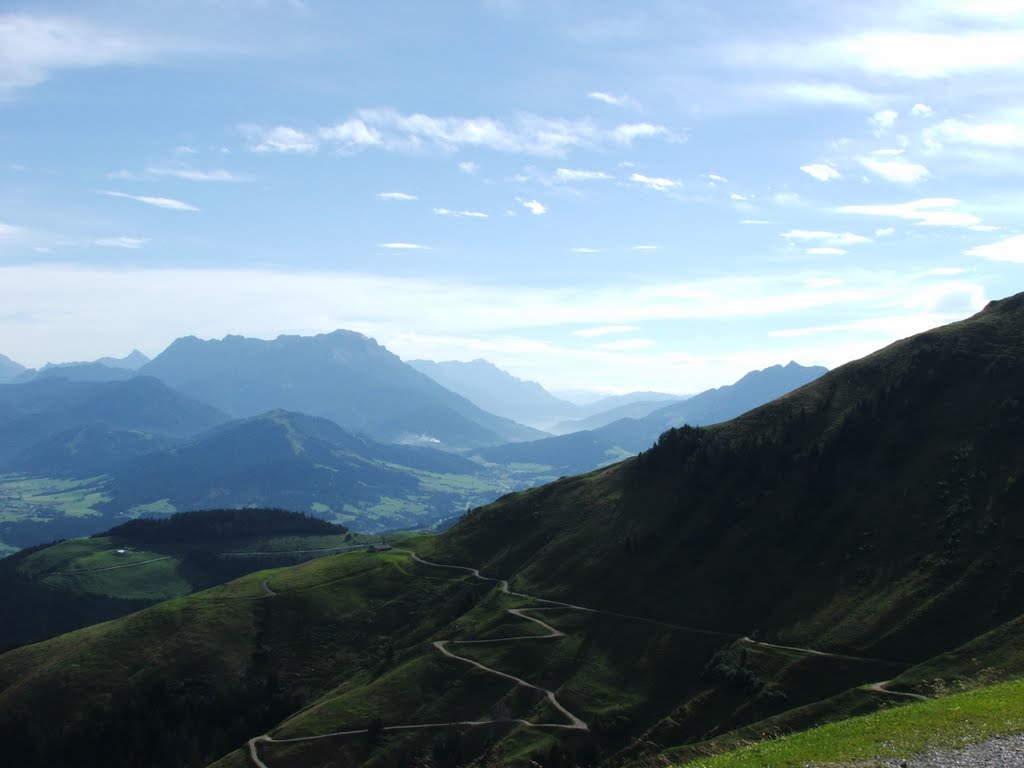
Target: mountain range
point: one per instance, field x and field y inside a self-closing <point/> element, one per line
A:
<point x="585" y="450"/>
<point x="342" y="376"/>
<point x="528" y="402"/>
<point x="83" y="444"/>
<point x="847" y="547"/>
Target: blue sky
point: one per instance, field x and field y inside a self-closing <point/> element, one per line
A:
<point x="655" y="195"/>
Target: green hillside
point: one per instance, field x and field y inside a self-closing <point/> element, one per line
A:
<point x="850" y="547"/>
<point x="50" y="589"/>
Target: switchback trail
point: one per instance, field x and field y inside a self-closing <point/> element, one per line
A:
<point x="575" y="723"/>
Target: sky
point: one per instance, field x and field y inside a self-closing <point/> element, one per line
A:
<point x="592" y="195"/>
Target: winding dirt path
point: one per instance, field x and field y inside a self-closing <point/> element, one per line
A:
<point x="882" y="687"/>
<point x="110" y="567"/>
<point x="574" y="722"/>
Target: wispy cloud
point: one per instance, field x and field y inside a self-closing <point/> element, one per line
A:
<point x="895" y="169"/>
<point x="469" y="167"/>
<point x="460" y="214"/>
<point x="585" y="250"/>
<point x="830" y="238"/>
<point x="36" y="46"/>
<point x="1009" y="249"/>
<point x="392" y="130"/>
<point x="9" y="230"/>
<point x="1005" y="133"/>
<point x="169" y="203"/>
<point x="404" y="246"/>
<point x="281" y="138"/>
<point x="121" y="242"/>
<point x="396" y="196"/>
<point x="929" y="212"/>
<point x="820" y="171"/>
<point x="629" y="132"/>
<point x="626" y="344"/>
<point x="607" y="98"/>
<point x="826" y="250"/>
<point x="605" y="330"/>
<point x="654" y="182"/>
<point x="573" y="175"/>
<point x="839" y="94"/>
<point x="192" y="174"/>
<point x="645" y="247"/>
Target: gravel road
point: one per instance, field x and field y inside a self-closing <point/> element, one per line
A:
<point x="1002" y="752"/>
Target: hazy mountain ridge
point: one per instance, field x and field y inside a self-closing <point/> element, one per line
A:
<point x="497" y="391"/>
<point x="9" y="369"/>
<point x="343" y="376"/>
<point x="583" y="451"/>
<point x="39" y="410"/>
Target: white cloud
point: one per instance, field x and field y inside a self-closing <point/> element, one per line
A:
<point x="1009" y="249"/>
<point x="930" y="212"/>
<point x="281" y="138"/>
<point x="605" y="330"/>
<point x="715" y="177"/>
<point x="585" y="250"/>
<point x="897" y="170"/>
<point x="739" y="197"/>
<point x="831" y="238"/>
<point x="826" y="250"/>
<point x="34" y="47"/>
<point x="9" y="230"/>
<point x="628" y="132"/>
<point x="352" y="133"/>
<point x="469" y="167"/>
<point x="607" y="98"/>
<point x="922" y="110"/>
<point x="191" y="174"/>
<point x="885" y="232"/>
<point x="121" y="242"/>
<point x="823" y="282"/>
<point x="757" y="222"/>
<point x="899" y="54"/>
<point x="653" y="182"/>
<point x="572" y="175"/>
<point x="820" y="171"/>
<point x="404" y="246"/>
<point x="533" y="206"/>
<point x="992" y="134"/>
<point x="839" y="94"/>
<point x="884" y="120"/>
<point x="645" y="247"/>
<point x="460" y="214"/>
<point x="396" y="196"/>
<point x="168" y="203"/>
<point x="392" y="130"/>
<point x="626" y="344"/>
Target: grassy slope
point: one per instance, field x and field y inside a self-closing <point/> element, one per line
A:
<point x="946" y="723"/>
<point x="209" y="670"/>
<point x="866" y="508"/>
